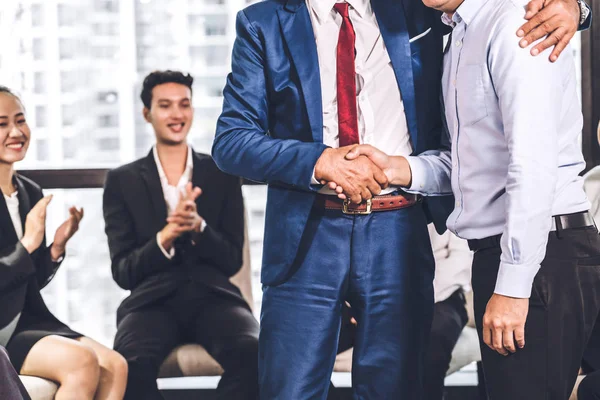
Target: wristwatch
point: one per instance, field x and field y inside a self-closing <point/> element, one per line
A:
<point x="584" y="11"/>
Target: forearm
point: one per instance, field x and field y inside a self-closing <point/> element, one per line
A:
<point x="430" y="173"/>
<point x="15" y="265"/>
<point x="216" y="249"/>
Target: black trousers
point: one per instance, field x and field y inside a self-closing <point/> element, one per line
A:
<point x="449" y="318"/>
<point x="563" y="307"/>
<point x="221" y="323"/>
<point x="10" y="384"/>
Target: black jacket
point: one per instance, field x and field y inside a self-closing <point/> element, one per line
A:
<point x="22" y="275"/>
<point x="135" y="211"/>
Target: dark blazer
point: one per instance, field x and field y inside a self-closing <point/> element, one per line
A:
<point x="271" y="127"/>
<point x="22" y="275"/>
<point x="135" y="211"/>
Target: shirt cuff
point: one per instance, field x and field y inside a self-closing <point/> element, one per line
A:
<point x="314" y="180"/>
<point x="203" y="225"/>
<point x="418" y="171"/>
<point x="168" y="254"/>
<point x="515" y="280"/>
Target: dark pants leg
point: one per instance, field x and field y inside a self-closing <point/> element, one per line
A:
<point x="383" y="262"/>
<point x="10" y="384"/>
<point x="449" y="319"/>
<point x="391" y="291"/>
<point x="562" y="310"/>
<point x="145" y="338"/>
<point x="229" y="332"/>
<point x="589" y="389"/>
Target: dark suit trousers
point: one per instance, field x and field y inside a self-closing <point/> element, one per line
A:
<point x="11" y="387"/>
<point x="224" y="325"/>
<point x="449" y="319"/>
<point x="563" y="307"/>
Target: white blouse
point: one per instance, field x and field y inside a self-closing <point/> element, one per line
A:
<point x="12" y="202"/>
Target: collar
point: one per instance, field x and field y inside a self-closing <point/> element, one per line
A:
<point x="468" y="10"/>
<point x="189" y="163"/>
<point x="323" y="7"/>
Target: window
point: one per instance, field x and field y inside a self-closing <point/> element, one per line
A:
<point x="37" y="48"/>
<point x="37" y="15"/>
<point x="67" y="48"/>
<point x="39" y="82"/>
<point x="41" y="116"/>
<point x="67" y="15"/>
<point x="69" y="114"/>
<point x="209" y="56"/>
<point x="42" y="150"/>
<point x="68" y="81"/>
<point x="111" y="6"/>
<point x="105" y="29"/>
<point x="109" y="97"/>
<point x="108" y="121"/>
<point x="108" y="144"/>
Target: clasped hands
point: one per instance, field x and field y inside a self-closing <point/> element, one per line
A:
<point x="184" y="218"/>
<point x="359" y="172"/>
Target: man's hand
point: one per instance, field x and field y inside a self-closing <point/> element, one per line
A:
<point x="35" y="225"/>
<point x="558" y="20"/>
<point x="360" y="178"/>
<point x="65" y="232"/>
<point x="186" y="214"/>
<point x="504" y="323"/>
<point x="184" y="218"/>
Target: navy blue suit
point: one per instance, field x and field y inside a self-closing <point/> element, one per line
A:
<point x="271" y="131"/>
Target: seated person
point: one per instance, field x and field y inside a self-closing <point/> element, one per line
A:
<point x="38" y="343"/>
<point x="452" y="279"/>
<point x="11" y="386"/>
<point x="175" y="227"/>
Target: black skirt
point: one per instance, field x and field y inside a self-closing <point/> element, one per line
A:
<point x="30" y="329"/>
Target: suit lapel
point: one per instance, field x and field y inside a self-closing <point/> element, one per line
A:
<point x="24" y="200"/>
<point x="8" y="235"/>
<point x="199" y="178"/>
<point x="392" y="24"/>
<point x="149" y="174"/>
<point x="300" y="38"/>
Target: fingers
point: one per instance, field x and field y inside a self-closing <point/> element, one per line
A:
<point x="540" y="21"/>
<point x="533" y="8"/>
<point x="192" y="193"/>
<point x="508" y="340"/>
<point x="487" y="336"/>
<point x="374" y="188"/>
<point x="563" y="36"/>
<point x="358" y="150"/>
<point x="497" y="342"/>
<point x="181" y="221"/>
<point x="520" y="336"/>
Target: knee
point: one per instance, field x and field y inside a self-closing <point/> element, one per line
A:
<point x="85" y="370"/>
<point x="116" y="365"/>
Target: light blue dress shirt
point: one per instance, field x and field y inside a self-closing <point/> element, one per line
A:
<point x="514" y="122"/>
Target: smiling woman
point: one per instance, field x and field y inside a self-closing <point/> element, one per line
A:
<point x="38" y="343"/>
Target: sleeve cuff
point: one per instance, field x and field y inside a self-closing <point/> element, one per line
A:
<point x="314" y="180"/>
<point x="515" y="280"/>
<point x="203" y="225"/>
<point x="168" y="254"/>
<point x="418" y="172"/>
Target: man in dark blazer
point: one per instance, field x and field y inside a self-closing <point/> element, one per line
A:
<point x="175" y="227"/>
<point x="310" y="79"/>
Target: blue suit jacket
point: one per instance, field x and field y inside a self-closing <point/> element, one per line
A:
<point x="271" y="127"/>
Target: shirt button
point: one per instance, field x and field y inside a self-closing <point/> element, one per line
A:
<point x="454" y="82"/>
<point x="458" y="43"/>
<point x="458" y="204"/>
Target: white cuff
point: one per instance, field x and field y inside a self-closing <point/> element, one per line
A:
<point x="515" y="280"/>
<point x="168" y="254"/>
<point x="418" y="173"/>
<point x="314" y="180"/>
<point x="203" y="225"/>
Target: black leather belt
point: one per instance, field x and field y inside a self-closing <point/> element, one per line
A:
<point x="559" y="223"/>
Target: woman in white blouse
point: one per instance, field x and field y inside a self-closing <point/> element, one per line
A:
<point x="37" y="342"/>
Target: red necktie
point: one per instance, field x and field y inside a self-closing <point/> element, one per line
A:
<point x="346" y="80"/>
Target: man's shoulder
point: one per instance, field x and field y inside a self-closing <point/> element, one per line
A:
<point x="264" y="10"/>
<point x="506" y="16"/>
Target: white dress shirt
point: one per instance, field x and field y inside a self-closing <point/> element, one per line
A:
<point x="171" y="193"/>
<point x="381" y="117"/>
<point x="515" y="122"/>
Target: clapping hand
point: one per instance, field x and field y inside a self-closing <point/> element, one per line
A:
<point x="65" y="232"/>
<point x="186" y="215"/>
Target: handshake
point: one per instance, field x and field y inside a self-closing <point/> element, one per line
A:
<point x="359" y="172"/>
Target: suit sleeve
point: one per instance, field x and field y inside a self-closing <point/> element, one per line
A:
<point x="222" y="245"/>
<point x="131" y="262"/>
<point x="242" y="145"/>
<point x="45" y="267"/>
<point x="16" y="266"/>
